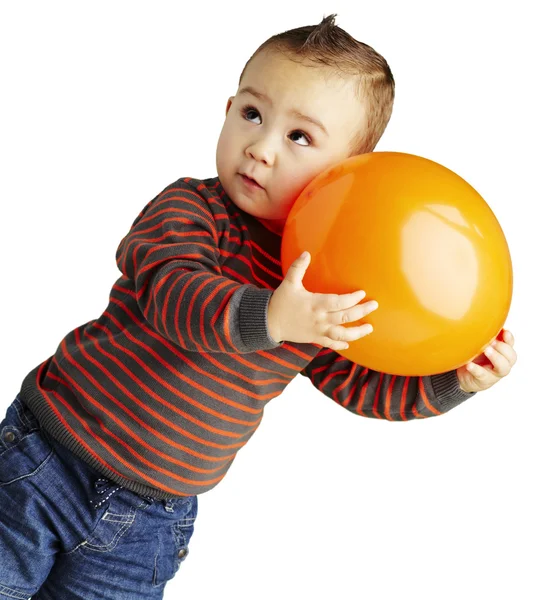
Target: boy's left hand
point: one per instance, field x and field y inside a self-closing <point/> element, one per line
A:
<point x="487" y="368"/>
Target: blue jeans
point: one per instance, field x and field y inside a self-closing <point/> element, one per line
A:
<point x="67" y="532"/>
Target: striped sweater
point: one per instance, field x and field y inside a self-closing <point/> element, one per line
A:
<point x="164" y="388"/>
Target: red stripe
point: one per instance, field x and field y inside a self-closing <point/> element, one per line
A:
<point x="377" y="398"/>
<point x="275" y="359"/>
<point x="188" y="319"/>
<point x="226" y="317"/>
<point x="342" y="384"/>
<point x="85" y="445"/>
<point x="145" y="406"/>
<point x="173" y="282"/>
<point x="203" y="213"/>
<point x="165" y="342"/>
<point x="426" y="398"/>
<point x="388" y="398"/>
<point x="403" y="399"/>
<point x="236" y="275"/>
<point x="185" y="256"/>
<point x="131" y="467"/>
<point x="100" y="407"/>
<point x="360" y="403"/>
<point x="186" y="379"/>
<point x="223" y="306"/>
<point x="174" y="389"/>
<point x="269" y="272"/>
<point x="271" y="258"/>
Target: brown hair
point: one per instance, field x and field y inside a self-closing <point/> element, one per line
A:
<point x="327" y="44"/>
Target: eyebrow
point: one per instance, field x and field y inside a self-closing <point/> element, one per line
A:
<point x="250" y="90"/>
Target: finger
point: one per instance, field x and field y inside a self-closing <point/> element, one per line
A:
<point x="501" y="366"/>
<point x="295" y="273"/>
<point x="478" y="372"/>
<point x="337" y="302"/>
<point x="335" y="345"/>
<point x="507" y="351"/>
<point x="508" y="337"/>
<point x="353" y="314"/>
<point x="349" y="334"/>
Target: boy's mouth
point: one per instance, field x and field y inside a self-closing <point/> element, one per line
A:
<point x="249" y="181"/>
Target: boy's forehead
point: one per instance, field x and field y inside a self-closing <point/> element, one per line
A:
<point x="275" y="78"/>
<point x="277" y="72"/>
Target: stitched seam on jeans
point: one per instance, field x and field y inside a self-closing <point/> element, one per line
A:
<point x="13" y="593"/>
<point x="41" y="466"/>
<point x="116" y="537"/>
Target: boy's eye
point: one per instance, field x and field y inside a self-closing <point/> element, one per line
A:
<point x="247" y="114"/>
<point x="297" y="132"/>
<point x="247" y="110"/>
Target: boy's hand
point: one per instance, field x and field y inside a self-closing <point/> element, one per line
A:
<point x="487" y="368"/>
<point x="297" y="315"/>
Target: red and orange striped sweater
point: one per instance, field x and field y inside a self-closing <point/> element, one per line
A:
<point x="162" y="390"/>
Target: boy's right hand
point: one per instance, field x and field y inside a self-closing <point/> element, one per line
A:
<point x="297" y="315"/>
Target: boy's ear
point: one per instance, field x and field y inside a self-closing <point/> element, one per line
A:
<point x="229" y="103"/>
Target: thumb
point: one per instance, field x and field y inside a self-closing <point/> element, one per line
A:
<point x="298" y="267"/>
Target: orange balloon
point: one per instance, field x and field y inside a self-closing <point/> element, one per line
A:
<point x="421" y="242"/>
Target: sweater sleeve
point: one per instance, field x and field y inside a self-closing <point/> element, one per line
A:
<point x="378" y="395"/>
<point x="172" y="256"/>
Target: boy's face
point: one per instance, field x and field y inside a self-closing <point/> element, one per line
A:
<point x="281" y="150"/>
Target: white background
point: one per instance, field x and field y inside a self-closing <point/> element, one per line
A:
<point x="103" y="104"/>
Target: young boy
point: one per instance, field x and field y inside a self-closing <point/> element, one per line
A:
<point x="111" y="439"/>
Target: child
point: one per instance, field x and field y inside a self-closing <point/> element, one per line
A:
<point x="111" y="439"/>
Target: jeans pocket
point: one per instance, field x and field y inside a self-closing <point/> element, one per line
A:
<point x="173" y="543"/>
<point x="24" y="449"/>
<point x="118" y="513"/>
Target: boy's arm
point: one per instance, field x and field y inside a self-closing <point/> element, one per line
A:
<point x="372" y="394"/>
<point x="172" y="255"/>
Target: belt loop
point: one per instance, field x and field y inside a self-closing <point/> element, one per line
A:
<point x="168" y="505"/>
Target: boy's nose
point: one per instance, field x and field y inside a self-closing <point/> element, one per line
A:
<point x="261" y="152"/>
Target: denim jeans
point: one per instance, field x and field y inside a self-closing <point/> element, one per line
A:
<point x="68" y="532"/>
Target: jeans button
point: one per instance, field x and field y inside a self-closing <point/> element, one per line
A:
<point x="182" y="552"/>
<point x="9" y="437"/>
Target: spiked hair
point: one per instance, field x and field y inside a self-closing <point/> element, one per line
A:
<point x="328" y="45"/>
